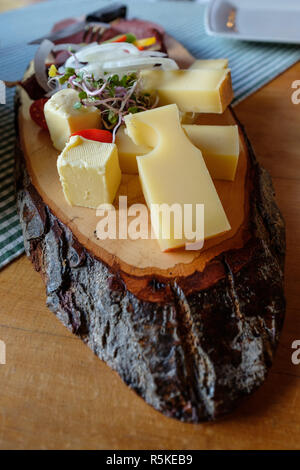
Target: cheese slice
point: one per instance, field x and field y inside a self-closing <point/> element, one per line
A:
<point x="219" y="146"/>
<point x="174" y="172"/>
<point x="128" y="151"/>
<point x="209" y="64"/>
<point x="89" y="172"/>
<point x="200" y="91"/>
<point x="63" y="119"/>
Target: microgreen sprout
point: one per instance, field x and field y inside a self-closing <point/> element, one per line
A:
<point x="114" y="95"/>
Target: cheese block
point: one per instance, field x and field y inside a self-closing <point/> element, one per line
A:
<point x="63" y="119"/>
<point x="219" y="146"/>
<point x="172" y="175"/>
<point x="128" y="151"/>
<point x="200" y="91"/>
<point x="89" y="172"/>
<point x="209" y="64"/>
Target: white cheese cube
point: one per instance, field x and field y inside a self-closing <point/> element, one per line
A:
<point x="219" y="146"/>
<point x="209" y="64"/>
<point x="128" y="152"/>
<point x="174" y="174"/>
<point x="200" y="91"/>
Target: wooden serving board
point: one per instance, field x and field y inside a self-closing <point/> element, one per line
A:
<point x="191" y="332"/>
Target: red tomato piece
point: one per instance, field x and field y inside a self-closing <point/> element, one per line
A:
<point x="100" y="135"/>
<point x="37" y="113"/>
<point x="122" y="38"/>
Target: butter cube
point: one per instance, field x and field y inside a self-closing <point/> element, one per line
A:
<point x="63" y="120"/>
<point x="209" y="64"/>
<point x="89" y="172"/>
<point x="200" y="91"/>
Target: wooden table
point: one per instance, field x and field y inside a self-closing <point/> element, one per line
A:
<point x="56" y="394"/>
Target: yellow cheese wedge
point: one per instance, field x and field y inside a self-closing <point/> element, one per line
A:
<point x="128" y="151"/>
<point x="219" y="146"/>
<point x="209" y="64"/>
<point x="89" y="172"/>
<point x="200" y="91"/>
<point x="174" y="172"/>
<point x="63" y="120"/>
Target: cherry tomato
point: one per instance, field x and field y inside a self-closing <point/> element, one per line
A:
<point x="100" y="135"/>
<point x="37" y="113"/>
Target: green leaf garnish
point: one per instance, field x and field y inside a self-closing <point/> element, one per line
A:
<point x="133" y="109"/>
<point x="77" y="105"/>
<point x="82" y="95"/>
<point x="130" y="37"/>
<point x="112" y="117"/>
<point x="120" y="95"/>
<point x="69" y="71"/>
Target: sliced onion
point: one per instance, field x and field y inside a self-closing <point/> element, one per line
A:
<point x="93" y="68"/>
<point x="117" y="57"/>
<point x="103" y="51"/>
<point x="103" y="57"/>
<point x="67" y="47"/>
<point x="39" y="63"/>
<point x="138" y="63"/>
<point x="153" y="53"/>
<point x="123" y="67"/>
<point x="71" y="62"/>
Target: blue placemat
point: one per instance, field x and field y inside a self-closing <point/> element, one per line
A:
<point x="252" y="64"/>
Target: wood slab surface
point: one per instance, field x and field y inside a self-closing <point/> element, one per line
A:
<point x="141" y="257"/>
<point x="56" y="394"/>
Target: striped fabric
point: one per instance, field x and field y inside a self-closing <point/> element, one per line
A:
<point x="252" y="64"/>
<point x="11" y="240"/>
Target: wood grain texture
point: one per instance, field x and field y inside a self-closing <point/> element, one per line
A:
<point x="99" y="411"/>
<point x="35" y="379"/>
<point x="139" y="258"/>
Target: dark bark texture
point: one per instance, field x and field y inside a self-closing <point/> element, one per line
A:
<point x="210" y="342"/>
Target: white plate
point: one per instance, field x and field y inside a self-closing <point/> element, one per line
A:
<point x="255" y="20"/>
